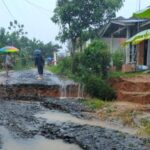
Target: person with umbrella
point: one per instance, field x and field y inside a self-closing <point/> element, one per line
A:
<point x="7" y="63"/>
<point x="39" y="63"/>
<point x="7" y="59"/>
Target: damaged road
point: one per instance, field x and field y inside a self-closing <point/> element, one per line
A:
<point x="40" y="122"/>
<point x="18" y="117"/>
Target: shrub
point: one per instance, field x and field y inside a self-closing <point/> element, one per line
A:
<point x="94" y="103"/>
<point x="118" y="59"/>
<point x="98" y="88"/>
<point x="64" y="66"/>
<point x="96" y="58"/>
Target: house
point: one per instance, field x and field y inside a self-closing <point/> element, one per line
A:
<point x="142" y="44"/>
<point x="115" y="34"/>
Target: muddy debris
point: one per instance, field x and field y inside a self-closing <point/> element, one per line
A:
<point x="88" y="137"/>
<point x="74" y="107"/>
<point x="18" y="117"/>
<point x="92" y="137"/>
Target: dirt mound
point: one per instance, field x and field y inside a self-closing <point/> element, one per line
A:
<point x="134" y="89"/>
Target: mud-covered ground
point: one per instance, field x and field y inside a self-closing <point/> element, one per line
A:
<point x="19" y="118"/>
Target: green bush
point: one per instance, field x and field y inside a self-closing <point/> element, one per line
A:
<point x="93" y="104"/>
<point x="96" y="58"/>
<point x="98" y="88"/>
<point x="118" y="58"/>
<point x="77" y="63"/>
<point x="90" y="68"/>
<point x="64" y="66"/>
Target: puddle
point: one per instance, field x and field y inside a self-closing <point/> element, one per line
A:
<point x="37" y="143"/>
<point x="53" y="116"/>
<point x="56" y="116"/>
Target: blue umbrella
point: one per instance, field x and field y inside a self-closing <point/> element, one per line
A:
<point x="37" y="51"/>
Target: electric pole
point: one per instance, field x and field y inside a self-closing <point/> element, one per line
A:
<point x="139" y="5"/>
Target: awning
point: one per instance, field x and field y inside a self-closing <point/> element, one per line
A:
<point x="145" y="13"/>
<point x="139" y="37"/>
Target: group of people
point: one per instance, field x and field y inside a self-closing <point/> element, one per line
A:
<point x="38" y="59"/>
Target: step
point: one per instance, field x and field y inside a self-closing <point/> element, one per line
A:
<point x="131" y="85"/>
<point x="138" y="97"/>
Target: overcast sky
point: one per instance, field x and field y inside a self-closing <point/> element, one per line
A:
<point x="36" y="14"/>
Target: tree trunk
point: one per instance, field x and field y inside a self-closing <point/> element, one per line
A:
<point x="73" y="55"/>
<point x="81" y="42"/>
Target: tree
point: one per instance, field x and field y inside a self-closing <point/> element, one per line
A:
<point x="16" y="32"/>
<point x="78" y="16"/>
<point x="16" y="36"/>
<point x="3" y="37"/>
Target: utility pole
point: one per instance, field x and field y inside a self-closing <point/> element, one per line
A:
<point x="139" y="5"/>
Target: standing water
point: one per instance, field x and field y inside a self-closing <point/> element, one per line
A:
<point x="37" y="143"/>
<point x="53" y="116"/>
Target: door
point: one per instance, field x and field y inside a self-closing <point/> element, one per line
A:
<point x="145" y="52"/>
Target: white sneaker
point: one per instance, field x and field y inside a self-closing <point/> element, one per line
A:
<point x="39" y="78"/>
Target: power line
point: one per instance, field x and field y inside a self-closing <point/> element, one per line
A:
<point x="36" y="5"/>
<point x="7" y="9"/>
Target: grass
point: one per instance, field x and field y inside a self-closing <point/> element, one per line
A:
<point x="117" y="74"/>
<point x="127" y="118"/>
<point x="145" y="127"/>
<point x="19" y="66"/>
<point x="53" y="69"/>
<point x="94" y="104"/>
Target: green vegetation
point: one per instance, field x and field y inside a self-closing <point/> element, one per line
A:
<point x="89" y="68"/>
<point x="16" y="36"/>
<point x="145" y="127"/>
<point x="96" y="59"/>
<point x="128" y="117"/>
<point x="118" y="74"/>
<point x="81" y="20"/>
<point x="78" y="25"/>
<point x="54" y="69"/>
<point x="94" y="104"/>
<point x="118" y="58"/>
<point x="97" y="87"/>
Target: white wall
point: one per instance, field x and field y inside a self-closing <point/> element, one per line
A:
<point x="116" y="43"/>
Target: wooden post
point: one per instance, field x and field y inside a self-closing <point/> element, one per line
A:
<point x="111" y="50"/>
<point x="127" y="47"/>
<point x="55" y="58"/>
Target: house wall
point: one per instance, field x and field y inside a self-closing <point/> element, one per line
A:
<point x="115" y="43"/>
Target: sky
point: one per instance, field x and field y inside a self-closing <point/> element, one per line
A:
<point x="36" y="14"/>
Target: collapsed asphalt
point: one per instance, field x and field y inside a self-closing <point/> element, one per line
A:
<point x="19" y="118"/>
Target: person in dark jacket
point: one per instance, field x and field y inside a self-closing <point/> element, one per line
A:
<point x="39" y="63"/>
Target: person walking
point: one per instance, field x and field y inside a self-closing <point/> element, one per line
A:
<point x="7" y="63"/>
<point x="39" y="63"/>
